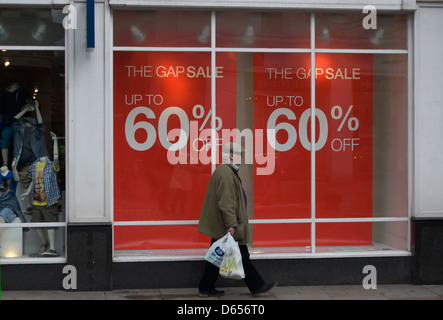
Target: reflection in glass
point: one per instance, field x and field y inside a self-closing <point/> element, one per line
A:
<point x="346" y="30"/>
<point x="32" y="27"/>
<point x="263" y="29"/>
<point x="162" y="28"/>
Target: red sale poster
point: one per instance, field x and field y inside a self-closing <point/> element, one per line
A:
<point x="281" y="98"/>
<point x="343" y="144"/>
<point x="162" y="116"/>
<point x="344" y="164"/>
<point x="162" y="146"/>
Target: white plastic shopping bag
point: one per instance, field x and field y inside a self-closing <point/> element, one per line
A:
<point x="217" y="251"/>
<point x="232" y="265"/>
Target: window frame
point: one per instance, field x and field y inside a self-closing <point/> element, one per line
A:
<point x="63" y="224"/>
<point x="126" y="256"/>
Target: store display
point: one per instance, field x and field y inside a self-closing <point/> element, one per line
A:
<point x="31" y="168"/>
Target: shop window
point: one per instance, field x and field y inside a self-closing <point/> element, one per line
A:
<point x="32" y="108"/>
<point x="339" y="182"/>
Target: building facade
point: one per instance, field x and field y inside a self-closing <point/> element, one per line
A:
<point x="114" y="114"/>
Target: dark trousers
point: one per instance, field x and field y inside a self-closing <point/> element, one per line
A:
<point x="252" y="279"/>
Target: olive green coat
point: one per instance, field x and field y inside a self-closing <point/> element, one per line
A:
<point x="224" y="206"/>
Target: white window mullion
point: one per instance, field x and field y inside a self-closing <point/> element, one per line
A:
<point x="313" y="248"/>
<point x="213" y="97"/>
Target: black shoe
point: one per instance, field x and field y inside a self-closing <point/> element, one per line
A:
<point x="266" y="287"/>
<point x="212" y="293"/>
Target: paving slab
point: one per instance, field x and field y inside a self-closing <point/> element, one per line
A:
<point x="352" y="292"/>
<point x="339" y="292"/>
<point x="52" y="295"/>
<point x="405" y="291"/>
<point x="300" y="293"/>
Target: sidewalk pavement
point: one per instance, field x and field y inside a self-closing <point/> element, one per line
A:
<point x="339" y="292"/>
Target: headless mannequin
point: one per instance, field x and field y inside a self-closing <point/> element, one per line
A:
<point x="38" y="115"/>
<point x="46" y="235"/>
<point x="29" y="107"/>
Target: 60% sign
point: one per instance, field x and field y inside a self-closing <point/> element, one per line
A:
<point x="353" y="123"/>
<point x="198" y="112"/>
<point x="337" y="144"/>
<point x="131" y="127"/>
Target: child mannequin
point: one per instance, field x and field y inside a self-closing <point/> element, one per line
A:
<point x="29" y="141"/>
<point x="45" y="194"/>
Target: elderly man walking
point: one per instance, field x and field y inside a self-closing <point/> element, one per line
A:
<point x="224" y="210"/>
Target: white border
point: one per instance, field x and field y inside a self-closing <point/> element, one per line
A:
<point x="386" y="5"/>
<point x="270" y="256"/>
<point x="313" y="138"/>
<point x="256" y="221"/>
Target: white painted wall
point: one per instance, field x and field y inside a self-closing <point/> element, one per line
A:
<point x="87" y="168"/>
<point x="428" y="111"/>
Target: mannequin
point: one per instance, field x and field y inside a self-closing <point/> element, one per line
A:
<point x="29" y="141"/>
<point x="12" y="101"/>
<point x="45" y="195"/>
<point x="9" y="206"/>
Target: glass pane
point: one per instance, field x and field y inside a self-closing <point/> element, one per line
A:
<point x="297" y="235"/>
<point x="281" y="101"/>
<point x="344" y="158"/>
<point x="33" y="84"/>
<point x="159" y="238"/>
<point x="263" y="29"/>
<point x="361" y="169"/>
<point x="27" y="242"/>
<point x="345" y="30"/>
<point x="362" y="236"/>
<point x="261" y="92"/>
<point x="390" y="136"/>
<point x="32" y="27"/>
<point x="11" y="239"/>
<point x="155" y="96"/>
<point x="147" y="28"/>
<point x="270" y="91"/>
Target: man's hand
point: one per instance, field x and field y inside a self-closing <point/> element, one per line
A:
<point x="231" y="231"/>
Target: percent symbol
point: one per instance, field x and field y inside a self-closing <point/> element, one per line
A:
<point x="198" y="112"/>
<point x="337" y="113"/>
